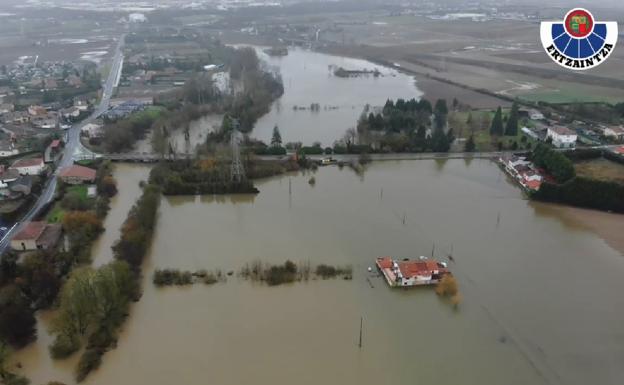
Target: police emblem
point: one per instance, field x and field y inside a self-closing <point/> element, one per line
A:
<point x="579" y="42"/>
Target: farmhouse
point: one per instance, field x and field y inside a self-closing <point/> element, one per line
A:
<point x="29" y="166"/>
<point x="37" y="236"/>
<point x="562" y="137"/>
<point x="77" y="174"/>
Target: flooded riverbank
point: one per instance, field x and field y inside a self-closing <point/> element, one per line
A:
<point x="524" y="319"/>
<point x="309" y="78"/>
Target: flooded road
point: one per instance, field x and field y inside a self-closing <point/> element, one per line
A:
<point x="540" y="290"/>
<point x="308" y="78"/>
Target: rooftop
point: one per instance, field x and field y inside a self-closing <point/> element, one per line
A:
<point x="419" y="267"/>
<point x="32" y="230"/>
<point x="561" y="130"/>
<point x="28" y="162"/>
<point x="77" y="171"/>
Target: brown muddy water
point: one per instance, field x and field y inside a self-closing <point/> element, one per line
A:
<point x="541" y="291"/>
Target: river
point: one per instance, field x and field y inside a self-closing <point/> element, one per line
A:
<point x="541" y="301"/>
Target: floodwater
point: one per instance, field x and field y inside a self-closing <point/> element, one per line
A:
<point x="308" y="78"/>
<point x="197" y="133"/>
<point x="541" y="301"/>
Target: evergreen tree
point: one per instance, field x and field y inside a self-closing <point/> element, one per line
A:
<point x="470" y="144"/>
<point x="512" y="121"/>
<point x="439" y="141"/>
<point x="276" y="140"/>
<point x="497" y="123"/>
<point x="440" y="107"/>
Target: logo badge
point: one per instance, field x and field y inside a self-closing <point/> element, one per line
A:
<point x="579" y="42"/>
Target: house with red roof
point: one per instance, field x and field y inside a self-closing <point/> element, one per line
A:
<point x="410" y="272"/>
<point x="76" y="174"/>
<point x="37" y="236"/>
<point x="53" y="151"/>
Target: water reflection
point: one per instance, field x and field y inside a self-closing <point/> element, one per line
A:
<point x="308" y="78"/>
<point x="524" y="311"/>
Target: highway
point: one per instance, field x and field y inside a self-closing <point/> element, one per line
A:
<point x="72" y="146"/>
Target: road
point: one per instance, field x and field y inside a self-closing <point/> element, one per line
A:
<point x="72" y="146"/>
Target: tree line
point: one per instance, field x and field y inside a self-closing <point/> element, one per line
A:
<point x="95" y="302"/>
<point x="554" y="162"/>
<point x="34" y="282"/>
<point x="404" y="126"/>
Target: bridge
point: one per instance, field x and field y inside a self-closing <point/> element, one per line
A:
<point x="132" y="157"/>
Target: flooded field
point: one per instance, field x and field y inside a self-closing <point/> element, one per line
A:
<point x="537" y="286"/>
<point x="308" y="78"/>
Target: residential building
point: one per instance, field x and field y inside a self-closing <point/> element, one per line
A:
<point x="81" y="103"/>
<point x="76" y="174"/>
<point x="92" y="130"/>
<point x="529" y="132"/>
<point x="53" y="151"/>
<point x="615" y="132"/>
<point x="536" y="115"/>
<point x="15" y="117"/>
<point x="7" y="176"/>
<point x="7" y="148"/>
<point x="37" y="111"/>
<point x="70" y="113"/>
<point x="422" y="271"/>
<point x="29" y="166"/>
<point x="47" y="122"/>
<point x="562" y="137"/>
<point x="37" y="236"/>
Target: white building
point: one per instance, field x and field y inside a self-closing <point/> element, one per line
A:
<point x="530" y="133"/>
<point x="536" y="115"/>
<point x="29" y="166"/>
<point x="137" y="18"/>
<point x="92" y="130"/>
<point x="7" y="149"/>
<point x="562" y="137"/>
<point x="616" y="132"/>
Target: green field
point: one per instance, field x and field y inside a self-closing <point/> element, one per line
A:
<point x="57" y="212"/>
<point x="601" y="169"/>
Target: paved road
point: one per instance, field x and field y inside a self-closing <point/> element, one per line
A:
<point x="72" y="146"/>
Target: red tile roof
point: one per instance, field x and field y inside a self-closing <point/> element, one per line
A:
<point x="31" y="231"/>
<point x="414" y="268"/>
<point x="77" y="171"/>
<point x="28" y="162"/>
<point x="533" y="184"/>
<point x="384" y="262"/>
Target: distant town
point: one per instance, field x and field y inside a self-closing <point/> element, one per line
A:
<point x="236" y="144"/>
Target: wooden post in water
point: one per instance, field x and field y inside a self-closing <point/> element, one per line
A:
<point x="361" y="322"/>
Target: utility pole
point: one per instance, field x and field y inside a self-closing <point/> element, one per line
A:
<point x="361" y="323"/>
<point x="237" y="171"/>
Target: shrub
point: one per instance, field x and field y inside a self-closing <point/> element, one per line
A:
<point x="64" y="346"/>
<point x="90" y="360"/>
<point x="447" y="287"/>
